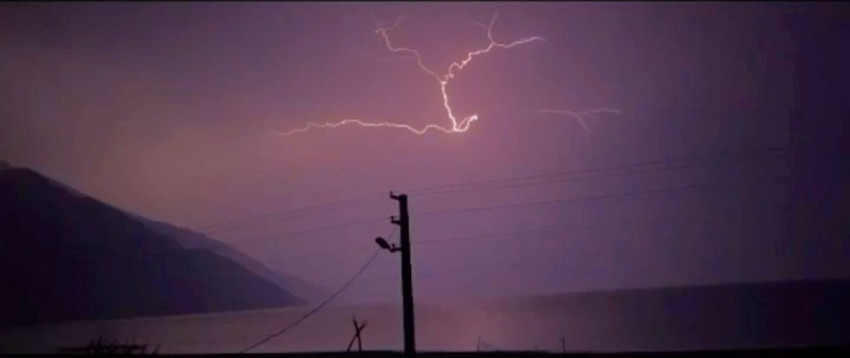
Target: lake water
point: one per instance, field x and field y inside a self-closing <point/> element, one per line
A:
<point x="587" y="322"/>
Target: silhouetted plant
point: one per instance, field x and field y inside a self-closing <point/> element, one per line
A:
<point x="114" y="347"/>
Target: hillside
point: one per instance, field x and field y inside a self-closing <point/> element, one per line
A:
<point x="189" y="239"/>
<point x="67" y="256"/>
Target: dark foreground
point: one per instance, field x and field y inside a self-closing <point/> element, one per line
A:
<point x="837" y="351"/>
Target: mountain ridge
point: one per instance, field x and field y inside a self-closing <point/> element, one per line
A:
<point x="68" y="256"/>
<point x="190" y="239"/>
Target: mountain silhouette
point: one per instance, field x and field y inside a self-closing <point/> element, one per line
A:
<point x="66" y="256"/>
<point x="189" y="239"/>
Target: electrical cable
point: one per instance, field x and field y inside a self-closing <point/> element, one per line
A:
<point x="321" y="305"/>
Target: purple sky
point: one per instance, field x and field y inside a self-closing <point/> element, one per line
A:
<point x="170" y="110"/>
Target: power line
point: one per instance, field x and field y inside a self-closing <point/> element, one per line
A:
<point x="364" y="198"/>
<point x="574" y="199"/>
<point x="557" y="180"/>
<point x="561" y="180"/>
<point x="478" y="183"/>
<point x="649" y="170"/>
<point x="212" y="245"/>
<point x="297" y="233"/>
<point x="303" y="211"/>
<point x="320" y="306"/>
<point x="522" y="234"/>
<point x="311" y="254"/>
<point x="423" y="190"/>
<point x="607" y="196"/>
<point x="565" y="230"/>
<point x="432" y="213"/>
<point x="511" y="235"/>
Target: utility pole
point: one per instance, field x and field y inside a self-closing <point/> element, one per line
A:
<point x="406" y="273"/>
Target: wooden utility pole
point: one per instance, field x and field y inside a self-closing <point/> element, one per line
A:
<point x="406" y="275"/>
<point x="406" y="272"/>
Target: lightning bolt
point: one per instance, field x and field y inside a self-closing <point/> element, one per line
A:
<point x="457" y="126"/>
<point x="579" y="116"/>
